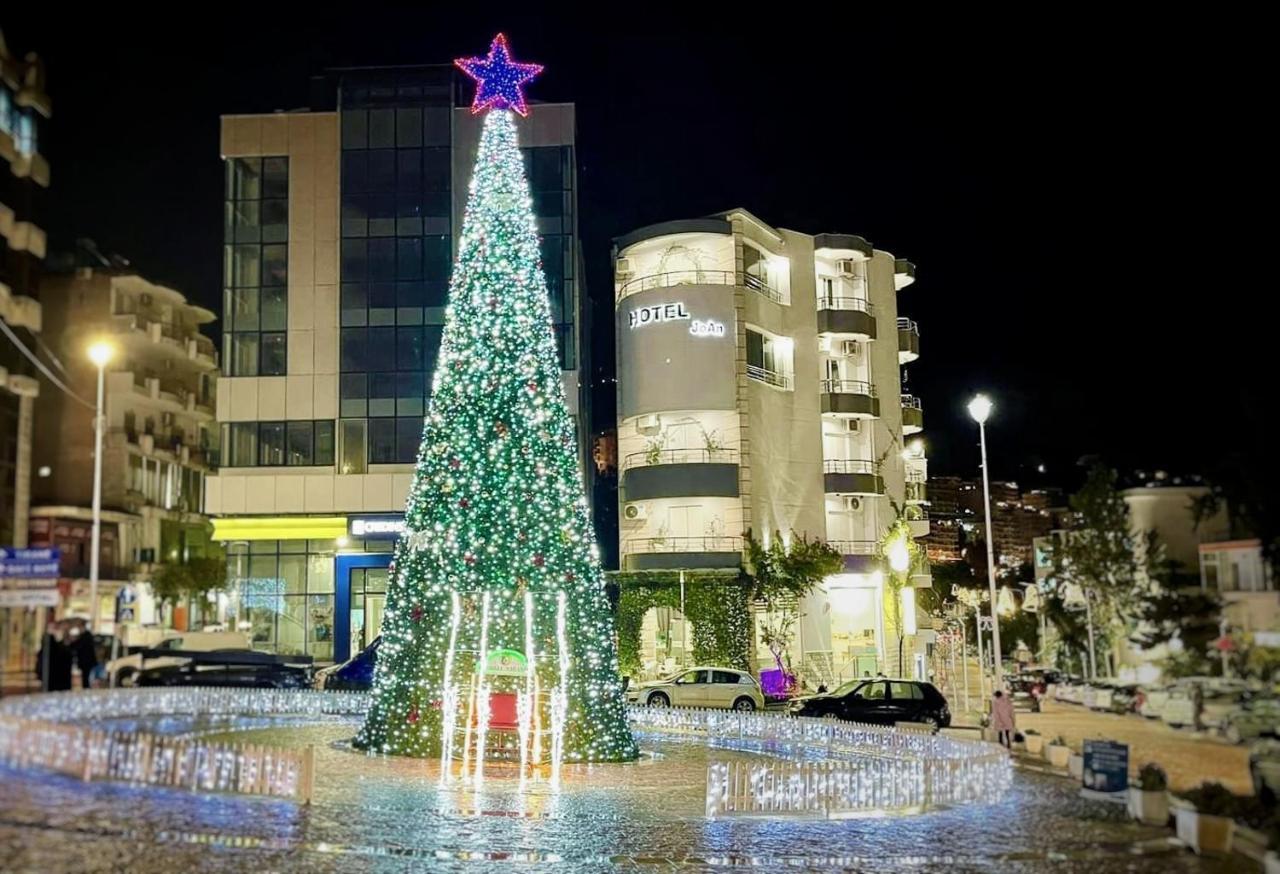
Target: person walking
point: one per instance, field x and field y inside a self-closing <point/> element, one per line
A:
<point x="53" y="661"/>
<point x="85" y="655"/>
<point x="1002" y="719"/>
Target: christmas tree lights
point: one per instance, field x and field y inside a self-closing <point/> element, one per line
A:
<point x="499" y="552"/>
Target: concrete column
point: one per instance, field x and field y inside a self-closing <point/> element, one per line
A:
<point x="27" y="389"/>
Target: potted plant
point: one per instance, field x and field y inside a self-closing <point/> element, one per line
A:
<point x="1034" y="742"/>
<point x="1149" y="797"/>
<point x="1057" y="752"/>
<point x="1075" y="764"/>
<point x="1205" y="821"/>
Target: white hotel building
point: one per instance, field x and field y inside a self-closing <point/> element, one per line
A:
<point x="760" y="387"/>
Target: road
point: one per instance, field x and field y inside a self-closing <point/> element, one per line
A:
<point x="1189" y="758"/>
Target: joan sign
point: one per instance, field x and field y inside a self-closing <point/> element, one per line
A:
<point x="674" y="312"/>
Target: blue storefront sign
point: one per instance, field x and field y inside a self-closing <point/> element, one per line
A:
<point x="1106" y="767"/>
<point x="29" y="564"/>
<point x="384" y="526"/>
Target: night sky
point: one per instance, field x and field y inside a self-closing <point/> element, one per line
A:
<point x="1057" y="185"/>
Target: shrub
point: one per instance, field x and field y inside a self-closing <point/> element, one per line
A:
<point x="1213" y="799"/>
<point x="1152" y="778"/>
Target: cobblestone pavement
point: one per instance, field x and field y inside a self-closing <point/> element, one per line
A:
<point x="1188" y="757"/>
<point x="388" y="815"/>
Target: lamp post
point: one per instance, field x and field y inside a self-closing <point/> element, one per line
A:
<point x="980" y="409"/>
<point x="100" y="354"/>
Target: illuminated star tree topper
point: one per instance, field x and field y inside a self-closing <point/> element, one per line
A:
<point x="498" y="78"/>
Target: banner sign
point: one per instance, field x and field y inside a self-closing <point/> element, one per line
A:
<point x="1106" y="767"/>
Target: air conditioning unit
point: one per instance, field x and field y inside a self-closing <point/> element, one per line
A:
<point x="847" y="267"/>
<point x="853" y="426"/>
<point x="649" y="425"/>
<point x="852" y="503"/>
<point x="635" y="512"/>
<point x="850" y="348"/>
<point x="622" y="268"/>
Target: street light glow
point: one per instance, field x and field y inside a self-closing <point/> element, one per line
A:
<point x="101" y="352"/>
<point x="899" y="557"/>
<point x="980" y="408"/>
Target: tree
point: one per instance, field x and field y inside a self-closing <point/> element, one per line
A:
<point x="779" y="576"/>
<point x="902" y="556"/>
<point x="499" y="548"/>
<point x="1099" y="555"/>
<point x="1173" y="606"/>
<point x="192" y="580"/>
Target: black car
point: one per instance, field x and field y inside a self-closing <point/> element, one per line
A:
<point x="237" y="668"/>
<point x="880" y="702"/>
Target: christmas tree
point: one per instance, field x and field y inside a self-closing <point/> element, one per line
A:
<point x="497" y="579"/>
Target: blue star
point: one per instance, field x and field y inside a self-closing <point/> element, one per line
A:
<point x="498" y="78"/>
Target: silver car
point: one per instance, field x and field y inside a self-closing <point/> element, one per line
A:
<point x="726" y="688"/>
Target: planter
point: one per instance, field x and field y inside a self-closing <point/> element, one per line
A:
<point x="1058" y="756"/>
<point x="1035" y="744"/>
<point x="1075" y="766"/>
<point x="1206" y="834"/>
<point x="1271" y="863"/>
<point x="1149" y="808"/>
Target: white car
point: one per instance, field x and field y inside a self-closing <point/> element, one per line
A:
<point x="726" y="688"/>
<point x="122" y="671"/>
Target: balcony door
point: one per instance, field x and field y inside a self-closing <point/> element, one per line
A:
<point x="684" y="523"/>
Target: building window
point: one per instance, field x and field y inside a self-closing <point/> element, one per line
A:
<point x="550" y="170"/>
<point x="769" y="358"/>
<point x="307" y="443"/>
<point x="283" y="591"/>
<point x="256" y="266"/>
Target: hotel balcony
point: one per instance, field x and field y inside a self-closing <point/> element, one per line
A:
<point x="175" y="342"/>
<point x="849" y="399"/>
<point x="169" y="396"/>
<point x="860" y="556"/>
<point x="852" y="316"/>
<point x="680" y="473"/>
<point x="908" y="341"/>
<point x="912" y="415"/>
<point x="904" y="273"/>
<point x="852" y="477"/>
<point x="769" y="377"/>
<point x="917" y="518"/>
<point x="674" y="553"/>
<point x="698" y="277"/>
<point x="916" y="490"/>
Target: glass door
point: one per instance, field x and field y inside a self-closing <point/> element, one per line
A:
<point x="361" y="584"/>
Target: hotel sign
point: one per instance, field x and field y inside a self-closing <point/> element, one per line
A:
<point x="674" y="312"/>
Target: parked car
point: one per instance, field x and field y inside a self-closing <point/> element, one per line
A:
<point x="1125" y="698"/>
<point x="355" y="674"/>
<point x="701" y="687"/>
<point x="1252" y="719"/>
<point x="1264" y="768"/>
<point x="239" y="668"/>
<point x="125" y="669"/>
<point x="879" y="701"/>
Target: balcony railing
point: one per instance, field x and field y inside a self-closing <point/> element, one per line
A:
<point x="850" y="465"/>
<point x="854" y="547"/>
<point x="905" y="324"/>
<point x="755" y="283"/>
<point x="697" y="277"/>
<point x="846" y="303"/>
<point x="708" y="543"/>
<point x="781" y="380"/>
<point x="677" y="277"/>
<point x="848" y="387"/>
<point x="916" y="513"/>
<point x="910" y="402"/>
<point x="680" y="456"/>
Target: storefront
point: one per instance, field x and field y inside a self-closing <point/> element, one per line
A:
<point x="313" y="585"/>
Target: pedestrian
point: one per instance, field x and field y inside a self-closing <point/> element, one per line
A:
<point x="1197" y="705"/>
<point x="1002" y="719"/>
<point x="53" y="661"/>
<point x="85" y="655"/>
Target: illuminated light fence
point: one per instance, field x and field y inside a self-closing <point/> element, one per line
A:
<point x="49" y="732"/>
<point x="827" y="769"/>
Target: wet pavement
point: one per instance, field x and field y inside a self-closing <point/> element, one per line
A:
<point x="373" y="815"/>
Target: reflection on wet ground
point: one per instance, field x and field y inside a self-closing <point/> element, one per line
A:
<point x="373" y="814"/>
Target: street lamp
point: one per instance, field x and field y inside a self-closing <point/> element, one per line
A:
<point x="980" y="409"/>
<point x="100" y="353"/>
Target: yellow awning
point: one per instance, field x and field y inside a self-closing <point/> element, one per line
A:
<point x="229" y="528"/>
